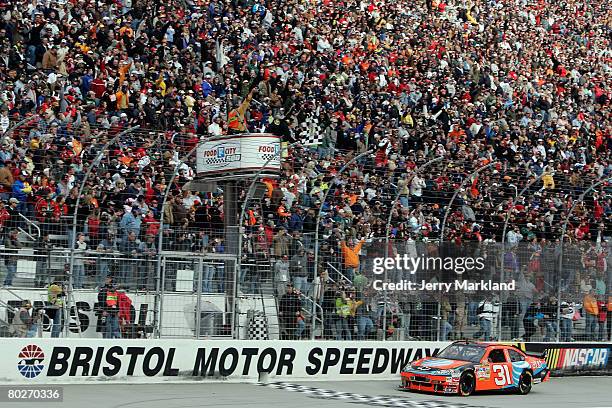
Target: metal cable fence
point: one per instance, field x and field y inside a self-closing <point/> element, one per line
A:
<point x="305" y="254"/>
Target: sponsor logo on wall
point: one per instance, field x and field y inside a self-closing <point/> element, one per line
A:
<point x="87" y="361"/>
<point x="30" y="361"/>
<point x="564" y="358"/>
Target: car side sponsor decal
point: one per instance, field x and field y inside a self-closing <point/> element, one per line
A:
<point x="483" y="372"/>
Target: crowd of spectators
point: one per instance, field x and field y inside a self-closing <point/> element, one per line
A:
<point x="522" y="87"/>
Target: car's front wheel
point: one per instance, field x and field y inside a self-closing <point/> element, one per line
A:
<point x="467" y="384"/>
<point x="525" y="383"/>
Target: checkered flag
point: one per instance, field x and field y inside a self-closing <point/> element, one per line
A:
<point x="269" y="156"/>
<point x="258" y="328"/>
<point x="391" y="401"/>
<point x="214" y="160"/>
<point x="311" y="133"/>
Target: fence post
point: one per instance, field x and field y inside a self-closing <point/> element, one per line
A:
<point x="388" y="230"/>
<point x="159" y="298"/>
<point x="317" y="224"/>
<point x="198" y="322"/>
<point x="563" y="231"/>
<point x="72" y="238"/>
<point x="157" y="320"/>
<point x="243" y="208"/>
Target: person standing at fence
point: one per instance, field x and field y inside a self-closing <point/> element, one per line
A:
<point x="108" y="299"/>
<point x="78" y="272"/>
<point x="445" y="318"/>
<point x="12" y="245"/>
<point x="343" y="311"/>
<point x="526" y="291"/>
<point x="24" y="323"/>
<point x="362" y="310"/>
<point x="299" y="271"/>
<point x="566" y="322"/>
<point x="280" y="243"/>
<point x="591" y="312"/>
<point x="486" y="313"/>
<point x="512" y="307"/>
<point x="43" y="260"/>
<point x="290" y="313"/>
<point x="124" y="304"/>
<point x="328" y="304"/>
<point x="460" y="315"/>
<point x="55" y="297"/>
<point x="14" y="219"/>
<point x="147" y="250"/>
<point x="106" y="247"/>
<point x="601" y="318"/>
<point x="281" y="274"/>
<point x="532" y="319"/>
<point x="549" y="309"/>
<point x="129" y="263"/>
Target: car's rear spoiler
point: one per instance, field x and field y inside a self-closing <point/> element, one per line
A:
<point x="538" y="354"/>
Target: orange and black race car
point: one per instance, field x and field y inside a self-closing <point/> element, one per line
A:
<point x="465" y="367"/>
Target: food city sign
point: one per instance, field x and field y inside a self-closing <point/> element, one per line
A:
<point x="239" y="154"/>
<point x="74" y="360"/>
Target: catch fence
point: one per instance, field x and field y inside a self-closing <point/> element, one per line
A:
<point x="312" y="253"/>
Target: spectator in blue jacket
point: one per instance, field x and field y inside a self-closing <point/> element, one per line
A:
<point x="296" y="221"/>
<point x="21" y="189"/>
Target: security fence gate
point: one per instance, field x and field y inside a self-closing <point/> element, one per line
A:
<point x="196" y="295"/>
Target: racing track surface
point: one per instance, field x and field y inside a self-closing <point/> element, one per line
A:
<point x="578" y="392"/>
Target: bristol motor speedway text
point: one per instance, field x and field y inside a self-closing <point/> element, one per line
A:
<point x="158" y="361"/>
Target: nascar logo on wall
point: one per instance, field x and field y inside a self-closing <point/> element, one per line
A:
<point x="236" y="154"/>
<point x="568" y="358"/>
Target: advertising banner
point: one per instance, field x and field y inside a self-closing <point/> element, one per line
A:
<point x="80" y="360"/>
<point x="574" y="358"/>
<point x="239" y="154"/>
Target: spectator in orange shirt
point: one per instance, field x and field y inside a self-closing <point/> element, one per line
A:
<point x="591" y="311"/>
<point x="282" y="212"/>
<point x="350" y="255"/>
<point x="457" y="134"/>
<point x="122" y="98"/>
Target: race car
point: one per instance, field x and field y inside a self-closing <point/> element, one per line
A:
<point x="465" y="367"/>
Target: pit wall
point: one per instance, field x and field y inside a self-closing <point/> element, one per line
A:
<point x="44" y="361"/>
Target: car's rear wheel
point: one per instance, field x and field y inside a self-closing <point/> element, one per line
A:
<point x="467" y="384"/>
<point x="525" y="383"/>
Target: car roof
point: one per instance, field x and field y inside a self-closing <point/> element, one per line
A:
<point x="485" y="344"/>
<point x="471" y="343"/>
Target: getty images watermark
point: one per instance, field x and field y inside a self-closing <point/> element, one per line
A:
<point x="442" y="268"/>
